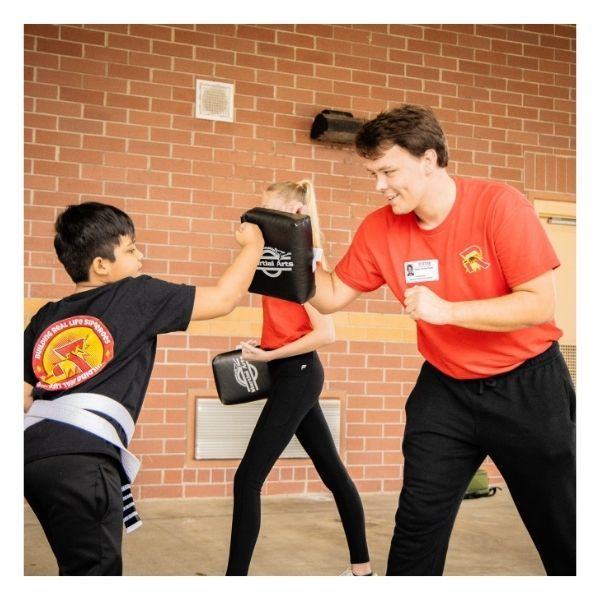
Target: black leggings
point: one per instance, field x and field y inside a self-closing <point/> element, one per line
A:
<point x="525" y="421"/>
<point x="292" y="408"/>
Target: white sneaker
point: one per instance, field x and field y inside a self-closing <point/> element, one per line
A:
<point x="348" y="573"/>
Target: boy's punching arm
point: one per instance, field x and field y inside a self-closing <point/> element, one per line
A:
<point x="211" y="302"/>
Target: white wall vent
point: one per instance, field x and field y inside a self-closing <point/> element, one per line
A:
<point x="224" y="431"/>
<point x="569" y="351"/>
<point x="214" y="100"/>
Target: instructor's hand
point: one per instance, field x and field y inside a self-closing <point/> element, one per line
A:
<point x="421" y="303"/>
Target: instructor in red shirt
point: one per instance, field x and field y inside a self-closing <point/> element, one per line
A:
<point x="471" y="264"/>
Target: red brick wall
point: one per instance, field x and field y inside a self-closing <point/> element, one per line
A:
<point x="109" y="116"/>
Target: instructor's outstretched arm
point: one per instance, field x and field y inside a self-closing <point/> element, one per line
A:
<point x="332" y="293"/>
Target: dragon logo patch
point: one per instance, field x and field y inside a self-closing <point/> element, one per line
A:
<point x="472" y="259"/>
<point x="71" y="351"/>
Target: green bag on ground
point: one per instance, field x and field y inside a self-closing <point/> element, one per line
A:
<point x="480" y="486"/>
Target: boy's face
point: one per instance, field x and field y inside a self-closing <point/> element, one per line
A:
<point x="128" y="260"/>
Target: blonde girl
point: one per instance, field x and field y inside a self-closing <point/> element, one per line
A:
<point x="291" y="334"/>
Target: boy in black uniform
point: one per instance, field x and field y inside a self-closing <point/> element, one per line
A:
<point x="88" y="360"/>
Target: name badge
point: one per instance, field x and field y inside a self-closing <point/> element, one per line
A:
<point x="417" y="271"/>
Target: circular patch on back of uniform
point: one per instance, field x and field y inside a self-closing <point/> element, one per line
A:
<point x="71" y="351"/>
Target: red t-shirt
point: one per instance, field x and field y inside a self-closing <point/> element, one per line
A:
<point x="491" y="241"/>
<point x="283" y="322"/>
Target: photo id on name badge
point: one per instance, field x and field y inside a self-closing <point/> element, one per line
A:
<point x="416" y="271"/>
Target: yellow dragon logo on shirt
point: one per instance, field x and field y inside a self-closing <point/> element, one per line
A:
<point x="71" y="351"/>
<point x="472" y="259"/>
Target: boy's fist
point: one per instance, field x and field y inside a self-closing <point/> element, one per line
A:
<point x="249" y="233"/>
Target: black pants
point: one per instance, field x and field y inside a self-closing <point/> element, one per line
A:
<point x="78" y="501"/>
<point x="292" y="408"/>
<point x="525" y="421"/>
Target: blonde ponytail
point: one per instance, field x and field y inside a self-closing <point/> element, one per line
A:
<point x="310" y="201"/>
<point x="302" y="191"/>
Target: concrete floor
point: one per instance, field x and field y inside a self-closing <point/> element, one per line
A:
<point x="300" y="535"/>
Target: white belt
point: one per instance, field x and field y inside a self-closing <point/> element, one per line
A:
<point x="74" y="409"/>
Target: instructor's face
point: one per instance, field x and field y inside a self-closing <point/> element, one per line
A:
<point x="400" y="177"/>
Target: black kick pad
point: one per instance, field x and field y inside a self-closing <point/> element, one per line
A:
<point x="285" y="270"/>
<point x="239" y="380"/>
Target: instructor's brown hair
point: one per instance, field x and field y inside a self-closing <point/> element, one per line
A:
<point x="412" y="127"/>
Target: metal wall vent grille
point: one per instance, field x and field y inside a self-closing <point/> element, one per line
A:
<point x="224" y="431"/>
<point x="569" y="351"/>
<point x="214" y="100"/>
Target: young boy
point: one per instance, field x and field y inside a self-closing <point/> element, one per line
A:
<point x="88" y="360"/>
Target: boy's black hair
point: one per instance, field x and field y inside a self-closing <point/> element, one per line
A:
<point x="412" y="127"/>
<point x="85" y="231"/>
